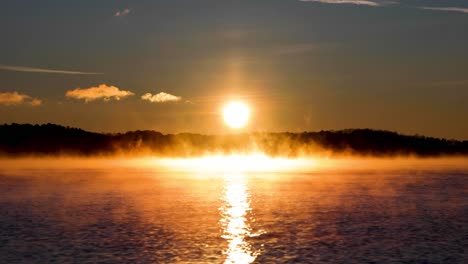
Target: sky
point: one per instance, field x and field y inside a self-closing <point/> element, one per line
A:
<point x="170" y="65"/>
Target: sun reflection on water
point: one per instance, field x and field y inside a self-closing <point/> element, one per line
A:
<point x="234" y="221"/>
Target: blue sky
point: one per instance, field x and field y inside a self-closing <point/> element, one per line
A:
<point x="301" y="65"/>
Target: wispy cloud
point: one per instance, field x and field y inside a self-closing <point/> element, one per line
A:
<point x="122" y="13"/>
<point x="40" y="70"/>
<point x="15" y="98"/>
<point x="353" y="2"/>
<point x="447" y="9"/>
<point x="102" y="91"/>
<point x="161" y="97"/>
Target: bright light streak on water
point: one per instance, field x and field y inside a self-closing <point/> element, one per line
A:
<point x="236" y="230"/>
<point x="395" y="211"/>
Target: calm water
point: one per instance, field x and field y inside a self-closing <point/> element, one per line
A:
<point x="141" y="215"/>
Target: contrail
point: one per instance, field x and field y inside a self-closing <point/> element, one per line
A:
<point x="40" y="70"/>
<point x="450" y="9"/>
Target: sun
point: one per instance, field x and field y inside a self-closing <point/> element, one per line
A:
<point x="236" y="114"/>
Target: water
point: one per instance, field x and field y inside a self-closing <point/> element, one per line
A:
<point x="144" y="215"/>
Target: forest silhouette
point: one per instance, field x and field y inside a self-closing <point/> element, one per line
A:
<point x="54" y="140"/>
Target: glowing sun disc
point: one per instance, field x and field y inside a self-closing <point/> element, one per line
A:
<point x="236" y="114"/>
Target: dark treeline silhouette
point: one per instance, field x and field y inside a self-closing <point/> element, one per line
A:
<point x="50" y="139"/>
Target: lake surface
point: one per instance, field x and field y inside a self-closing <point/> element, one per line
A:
<point x="150" y="215"/>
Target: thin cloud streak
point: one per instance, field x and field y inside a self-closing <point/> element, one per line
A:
<point x="353" y="2"/>
<point x="447" y="9"/>
<point x="41" y="70"/>
<point x="15" y="98"/>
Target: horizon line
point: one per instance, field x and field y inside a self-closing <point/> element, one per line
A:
<point x="239" y="132"/>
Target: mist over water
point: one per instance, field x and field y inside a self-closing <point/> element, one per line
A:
<point x="170" y="211"/>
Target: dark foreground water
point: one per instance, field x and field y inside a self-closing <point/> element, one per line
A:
<point x="152" y="216"/>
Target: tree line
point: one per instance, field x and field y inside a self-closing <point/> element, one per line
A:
<point x="51" y="139"/>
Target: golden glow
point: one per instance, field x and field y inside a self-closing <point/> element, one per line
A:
<point x="234" y="220"/>
<point x="255" y="162"/>
<point x="236" y="114"/>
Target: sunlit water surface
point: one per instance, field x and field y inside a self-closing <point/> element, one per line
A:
<point x="140" y="214"/>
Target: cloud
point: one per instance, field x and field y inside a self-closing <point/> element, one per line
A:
<point x="449" y="9"/>
<point x="354" y="2"/>
<point x="122" y="13"/>
<point x="102" y="91"/>
<point x="40" y="70"/>
<point x="15" y="98"/>
<point x="161" y="97"/>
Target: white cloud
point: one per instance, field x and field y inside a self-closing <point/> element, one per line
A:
<point x="122" y="13"/>
<point x="449" y="9"/>
<point x="354" y="2"/>
<point x="40" y="70"/>
<point x="161" y="97"/>
<point x="15" y="98"/>
<point x="102" y="91"/>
